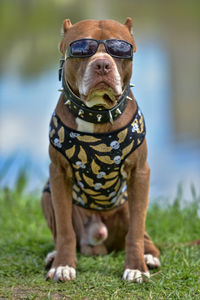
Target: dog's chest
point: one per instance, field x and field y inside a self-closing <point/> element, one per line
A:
<point x="97" y="160"/>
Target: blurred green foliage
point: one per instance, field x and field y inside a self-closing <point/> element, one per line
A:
<point x="30" y="29"/>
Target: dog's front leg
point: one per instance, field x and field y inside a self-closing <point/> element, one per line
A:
<point x="63" y="268"/>
<point x="138" y="187"/>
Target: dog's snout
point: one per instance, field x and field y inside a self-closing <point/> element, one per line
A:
<point x="102" y="66"/>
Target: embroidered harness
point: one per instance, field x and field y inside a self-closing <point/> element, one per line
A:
<point x="97" y="160"/>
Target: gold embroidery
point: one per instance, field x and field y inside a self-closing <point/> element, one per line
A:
<point x="88" y="139"/>
<point x="70" y="152"/>
<point x="95" y="167"/>
<point x="76" y="166"/>
<point x="89" y="180"/>
<point x="82" y="155"/>
<point x="90" y="192"/>
<point x="105" y="159"/>
<point x="101" y="197"/>
<point x="78" y="177"/>
<point x="142" y="124"/>
<point x="111" y="175"/>
<point x="61" y="134"/>
<point x="74" y="195"/>
<point x="117" y="185"/>
<point x="77" y="189"/>
<point x="55" y="121"/>
<point x="103" y="202"/>
<point x="109" y="183"/>
<point x="102" y="148"/>
<point x="127" y="150"/>
<point x="93" y="206"/>
<point x="122" y="135"/>
<point x="119" y="200"/>
<point x="84" y="198"/>
<point x="52" y="133"/>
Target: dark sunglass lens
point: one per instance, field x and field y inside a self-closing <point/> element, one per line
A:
<point x="119" y="48"/>
<point x="83" y="48"/>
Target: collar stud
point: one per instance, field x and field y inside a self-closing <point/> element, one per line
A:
<point x="129" y="98"/>
<point x="99" y="117"/>
<point x="68" y="102"/>
<point x="118" y="111"/>
<point x="111" y="117"/>
<point x="132" y="85"/>
<point x="81" y="113"/>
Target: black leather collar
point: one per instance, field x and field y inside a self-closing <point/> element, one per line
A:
<point x="97" y="116"/>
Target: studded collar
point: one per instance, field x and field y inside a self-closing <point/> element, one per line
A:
<point x="96" y="116"/>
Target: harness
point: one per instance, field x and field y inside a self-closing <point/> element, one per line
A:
<point x="97" y="160"/>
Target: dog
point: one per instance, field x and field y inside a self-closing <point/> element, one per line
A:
<point x="97" y="196"/>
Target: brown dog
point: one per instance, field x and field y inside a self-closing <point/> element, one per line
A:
<point x="99" y="176"/>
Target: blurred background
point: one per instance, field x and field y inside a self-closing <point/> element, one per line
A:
<point x="166" y="73"/>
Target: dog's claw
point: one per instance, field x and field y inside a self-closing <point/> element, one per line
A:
<point x="152" y="261"/>
<point x="135" y="275"/>
<point x="62" y="273"/>
<point x="50" y="274"/>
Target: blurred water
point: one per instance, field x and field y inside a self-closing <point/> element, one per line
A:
<point x="166" y="73"/>
<point x="27" y="104"/>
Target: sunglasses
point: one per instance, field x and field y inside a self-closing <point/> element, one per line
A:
<point x="88" y="47"/>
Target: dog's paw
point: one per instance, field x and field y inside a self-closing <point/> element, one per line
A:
<point x="135" y="275"/>
<point x="49" y="259"/>
<point x="62" y="273"/>
<point x="152" y="261"/>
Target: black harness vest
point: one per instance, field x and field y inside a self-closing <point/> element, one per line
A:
<point x="97" y="160"/>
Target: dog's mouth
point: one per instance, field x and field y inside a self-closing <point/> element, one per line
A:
<point x="100" y="98"/>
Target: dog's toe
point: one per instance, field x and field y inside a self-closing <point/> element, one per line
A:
<point x="49" y="259"/>
<point x="152" y="261"/>
<point x="135" y="275"/>
<point x="62" y="273"/>
<point x="51" y="273"/>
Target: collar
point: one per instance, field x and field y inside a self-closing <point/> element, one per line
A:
<point x="97" y="116"/>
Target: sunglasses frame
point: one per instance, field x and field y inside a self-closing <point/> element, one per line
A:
<point x="69" y="54"/>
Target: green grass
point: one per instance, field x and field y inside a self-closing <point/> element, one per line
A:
<point x="25" y="240"/>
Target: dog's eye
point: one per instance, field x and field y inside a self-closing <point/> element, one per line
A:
<point x="119" y="48"/>
<point x="83" y="47"/>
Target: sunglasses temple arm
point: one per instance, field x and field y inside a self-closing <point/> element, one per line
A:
<point x="67" y="54"/>
<point x="62" y="60"/>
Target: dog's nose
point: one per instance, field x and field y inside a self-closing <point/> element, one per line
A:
<point x="102" y="66"/>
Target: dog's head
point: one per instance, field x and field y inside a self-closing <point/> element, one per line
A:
<point x="96" y="70"/>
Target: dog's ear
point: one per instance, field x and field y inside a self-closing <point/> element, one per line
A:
<point x="129" y="25"/>
<point x="66" y="25"/>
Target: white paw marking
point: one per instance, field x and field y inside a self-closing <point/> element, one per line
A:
<point x="135" y="275"/>
<point x="152" y="261"/>
<point x="64" y="273"/>
<point x="50" y="256"/>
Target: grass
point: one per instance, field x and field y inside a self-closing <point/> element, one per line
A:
<point x="25" y="240"/>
